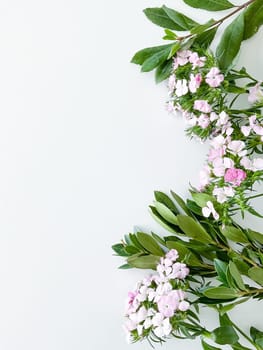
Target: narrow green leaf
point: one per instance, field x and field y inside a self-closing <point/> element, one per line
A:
<point x="210" y="5"/>
<point x="256" y="274"/>
<point x="224" y="335"/>
<point x="201" y="199"/>
<point x="181" y="203"/>
<point x="193" y="229"/>
<point x="230" y="42"/>
<point x="221" y="267"/>
<point x="234" y="234"/>
<point x="125" y="267"/>
<point x="166" y="213"/>
<point x="236" y="276"/>
<point x="208" y="347"/>
<point x="221" y="293"/>
<point x="141" y="56"/>
<point x="253" y="18"/>
<point x="255" y="236"/>
<point x="158" y="218"/>
<point x="164" y="199"/>
<point x="119" y="249"/>
<point x="144" y="262"/>
<point x="184" y="22"/>
<point x="202" y="27"/>
<point x="149" y="244"/>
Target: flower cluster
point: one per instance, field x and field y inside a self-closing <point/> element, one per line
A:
<point x="158" y="303"/>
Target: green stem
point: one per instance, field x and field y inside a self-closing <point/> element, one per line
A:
<point x="241" y="256"/>
<point x="256" y="196"/>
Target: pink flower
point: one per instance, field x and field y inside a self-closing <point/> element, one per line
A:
<point x="170" y="107"/>
<point x="204" y="177"/>
<point x="214" y="78"/>
<point x="255" y="94"/>
<point x="183" y="305"/>
<point x="202" y="106"/>
<point x="180" y="271"/>
<point x="168" y="304"/>
<point x="172" y="255"/>
<point x="216" y="153"/>
<point x="171" y="83"/>
<point x="235" y="176"/>
<point x="203" y="121"/>
<point x="222" y="193"/>
<point x="196" y="60"/>
<point x="237" y="148"/>
<point x="195" y="82"/>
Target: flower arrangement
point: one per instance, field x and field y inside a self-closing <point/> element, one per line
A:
<point x="207" y="258"/>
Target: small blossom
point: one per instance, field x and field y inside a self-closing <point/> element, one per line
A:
<point x="196" y="60"/>
<point x="195" y="82"/>
<point x="172" y="255"/>
<point x="255" y="94"/>
<point x="223" y="193"/>
<point x="204" y="176"/>
<point x="183" y="306"/>
<point x="181" y="88"/>
<point x="237" y="148"/>
<point x="203" y="121"/>
<point x="235" y="176"/>
<point x="214" y="78"/>
<point x="202" y="106"/>
<point x="171" y="83"/>
<point x="209" y="209"/>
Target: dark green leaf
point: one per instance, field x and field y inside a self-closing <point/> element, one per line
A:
<point x="155" y="60"/>
<point x="164" y="199"/>
<point x="158" y="16"/>
<point x="182" y="21"/>
<point x="225" y="335"/>
<point x="210" y="5"/>
<point x="205" y="39"/>
<point x="254" y="212"/>
<point x="221" y="293"/>
<point x="144" y="262"/>
<point x="236" y="276"/>
<point x="158" y="218"/>
<point x="256" y="274"/>
<point x="220" y="267"/>
<point x="202" y="27"/>
<point x="208" y="347"/>
<point x="201" y="199"/>
<point x="180" y="202"/>
<point x="163" y="71"/>
<point x="230" y="42"/>
<point x="255" y="333"/>
<point x="255" y="236"/>
<point x="141" y="56"/>
<point x="125" y="267"/>
<point x="184" y="253"/>
<point x="119" y="249"/>
<point x="149" y="244"/>
<point x="193" y="229"/>
<point x="242" y="266"/>
<point x="234" y="234"/>
<point x="253" y="18"/>
<point x="238" y="346"/>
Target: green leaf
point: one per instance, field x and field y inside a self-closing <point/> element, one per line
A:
<point x="144" y="262"/>
<point x="255" y="236"/>
<point x="224" y="335"/>
<point x="253" y="18"/>
<point x="257" y="336"/>
<point x="174" y="49"/>
<point x="204" y="39"/>
<point x="221" y="293"/>
<point x="158" y="16"/>
<point x="202" y="27"/>
<point x="149" y="244"/>
<point x="236" y="276"/>
<point x="229" y="307"/>
<point x="230" y="42"/>
<point x="163" y="71"/>
<point x="164" y="199"/>
<point x="184" y="22"/>
<point x="180" y="202"/>
<point x="238" y="346"/>
<point x="201" y="199"/>
<point x="208" y="347"/>
<point x="193" y="229"/>
<point x="234" y="234"/>
<point x="254" y="212"/>
<point x="155" y="60"/>
<point x="166" y="213"/>
<point x="184" y="253"/>
<point x="220" y="267"/>
<point x="141" y="56"/>
<point x="210" y="5"/>
<point x="158" y="218"/>
<point x="256" y="274"/>
<point x="119" y="249"/>
<point x="125" y="267"/>
<point x="242" y="266"/>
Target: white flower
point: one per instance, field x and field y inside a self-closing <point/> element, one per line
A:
<point x="162" y="325"/>
<point x="258" y="164"/>
<point x="218" y="142"/>
<point x="209" y="209"/>
<point x="222" y="193"/>
<point x="181" y="88"/>
<point x="237" y="148"/>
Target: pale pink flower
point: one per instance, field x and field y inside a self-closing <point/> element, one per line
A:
<point x="180" y="271"/>
<point x="203" y="121"/>
<point x="209" y="209"/>
<point x="222" y="193"/>
<point x="258" y="164"/>
<point x="214" y="78"/>
<point x="171" y="83"/>
<point x="235" y="176"/>
<point x="237" y="148"/>
<point x="196" y="60"/>
<point x="181" y="88"/>
<point x="204" y="176"/>
<point x="202" y="106"/>
<point x="258" y="130"/>
<point x="163" y="328"/>
<point x="172" y="255"/>
<point x="170" y="107"/>
<point x="195" y="82"/>
<point x="223" y="119"/>
<point x="218" y="167"/>
<point x="213" y="116"/>
<point x="252" y="125"/>
<point x="246" y="163"/>
<point x="216" y="153"/>
<point x="168" y="304"/>
<point x="183" y="305"/>
<point x="182" y="57"/>
<point x="255" y="94"/>
<point x="218" y="142"/>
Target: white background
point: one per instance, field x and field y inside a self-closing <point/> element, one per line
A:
<point x="84" y="142"/>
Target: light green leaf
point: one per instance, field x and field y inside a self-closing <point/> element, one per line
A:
<point x="253" y="18"/>
<point x="158" y="218"/>
<point x="256" y="274"/>
<point x="181" y="203"/>
<point x="224" y="335"/>
<point x="234" y="234"/>
<point x="166" y="213"/>
<point x="149" y="244"/>
<point x="193" y="229"/>
<point x="201" y="199"/>
<point x="236" y="276"/>
<point x="184" y="22"/>
<point x="230" y="42"/>
<point x="164" y="199"/>
<point x="255" y="236"/>
<point x="144" y="262"/>
<point x="141" y="56"/>
<point x="210" y="5"/>
<point x="221" y="293"/>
